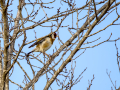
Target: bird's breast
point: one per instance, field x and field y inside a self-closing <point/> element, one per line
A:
<point x="46" y="44"/>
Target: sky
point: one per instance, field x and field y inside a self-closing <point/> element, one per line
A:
<point x="98" y="60"/>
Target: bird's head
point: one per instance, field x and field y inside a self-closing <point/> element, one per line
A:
<point x="54" y="35"/>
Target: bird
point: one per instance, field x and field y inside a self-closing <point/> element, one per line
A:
<point x="43" y="44"/>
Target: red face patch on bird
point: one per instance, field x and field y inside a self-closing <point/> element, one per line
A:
<point x="55" y="35"/>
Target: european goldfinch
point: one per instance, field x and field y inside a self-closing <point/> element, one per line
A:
<point x="43" y="44"/>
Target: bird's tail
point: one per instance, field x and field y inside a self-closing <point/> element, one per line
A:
<point x="29" y="53"/>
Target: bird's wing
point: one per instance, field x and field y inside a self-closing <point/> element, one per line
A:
<point x="38" y="42"/>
